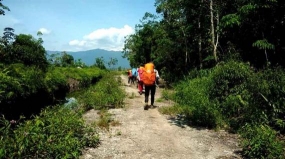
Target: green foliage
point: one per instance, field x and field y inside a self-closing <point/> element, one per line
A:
<point x="27" y="89"/>
<point x="230" y="20"/>
<point x="263" y="45"/>
<point x="79" y="63"/>
<point x="20" y="81"/>
<point x="167" y="94"/>
<point x="64" y="60"/>
<point x="55" y="80"/>
<point x="105" y="120"/>
<point x="268" y="89"/>
<point x="57" y="132"/>
<point x="100" y="63"/>
<point x="112" y="62"/>
<point x="29" y="51"/>
<point x="105" y="94"/>
<point x="67" y="60"/>
<point x="173" y="110"/>
<point x="9" y="87"/>
<point x="193" y="94"/>
<point x="85" y="76"/>
<point x="3" y="8"/>
<point x="195" y="73"/>
<point x="246" y="9"/>
<point x="229" y="91"/>
<point x="261" y="141"/>
<point x="229" y="78"/>
<point x="234" y="97"/>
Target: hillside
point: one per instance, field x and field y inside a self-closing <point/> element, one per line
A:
<point x="88" y="57"/>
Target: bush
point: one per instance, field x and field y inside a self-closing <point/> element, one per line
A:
<point x="193" y="94"/>
<point x="105" y="94"/>
<point x="228" y="89"/>
<point x="229" y="78"/>
<point x="267" y="88"/>
<point x="57" y="132"/>
<point x="260" y="141"/>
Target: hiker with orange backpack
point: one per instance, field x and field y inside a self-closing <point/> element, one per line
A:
<point x="148" y="79"/>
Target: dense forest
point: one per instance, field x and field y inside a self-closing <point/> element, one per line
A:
<point x="224" y="61"/>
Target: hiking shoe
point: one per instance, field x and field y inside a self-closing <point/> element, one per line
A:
<point x="145" y="106"/>
<point x="153" y="106"/>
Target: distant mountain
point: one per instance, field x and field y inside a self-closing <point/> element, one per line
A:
<point x="88" y="57"/>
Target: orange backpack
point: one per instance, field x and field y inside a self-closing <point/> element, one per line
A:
<point x="148" y="76"/>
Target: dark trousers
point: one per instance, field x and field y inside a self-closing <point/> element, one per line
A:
<point x="150" y="89"/>
<point x="131" y="80"/>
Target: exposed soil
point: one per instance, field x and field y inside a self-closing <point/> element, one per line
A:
<point x="149" y="134"/>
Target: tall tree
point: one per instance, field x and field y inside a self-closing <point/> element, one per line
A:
<point x="66" y="59"/>
<point x="100" y="63"/>
<point x="112" y="62"/>
<point x="3" y="8"/>
<point x="29" y="51"/>
<point x="6" y="45"/>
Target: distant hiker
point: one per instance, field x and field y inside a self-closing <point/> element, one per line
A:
<point x="139" y="78"/>
<point x="149" y="78"/>
<point x="134" y="75"/>
<point x="156" y="77"/>
<point x="130" y="76"/>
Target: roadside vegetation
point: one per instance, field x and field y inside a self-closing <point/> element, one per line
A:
<point x="233" y="97"/>
<point x="58" y="130"/>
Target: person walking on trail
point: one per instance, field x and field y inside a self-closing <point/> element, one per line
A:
<point x="139" y="78"/>
<point x="156" y="77"/>
<point x="129" y="76"/>
<point x="149" y="79"/>
<point x="134" y="75"/>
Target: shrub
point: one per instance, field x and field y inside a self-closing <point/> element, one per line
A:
<point x="261" y="141"/>
<point x="105" y="94"/>
<point x="228" y="89"/>
<point x="229" y="78"/>
<point x="167" y="94"/>
<point x="193" y="94"/>
<point x="268" y="90"/>
<point x="195" y="73"/>
<point x="173" y="110"/>
<point x="57" y="132"/>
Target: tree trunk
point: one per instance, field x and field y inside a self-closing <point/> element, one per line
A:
<point x="186" y="48"/>
<point x="200" y="45"/>
<point x="213" y="32"/>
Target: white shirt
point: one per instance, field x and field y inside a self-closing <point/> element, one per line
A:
<point x="156" y="73"/>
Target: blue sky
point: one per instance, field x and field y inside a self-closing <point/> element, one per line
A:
<point x="76" y="25"/>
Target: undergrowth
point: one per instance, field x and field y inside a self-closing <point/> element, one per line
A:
<point x="58" y="132"/>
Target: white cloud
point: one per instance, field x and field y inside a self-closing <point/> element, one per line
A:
<point x="108" y="39"/>
<point x="44" y="31"/>
<point x="77" y="43"/>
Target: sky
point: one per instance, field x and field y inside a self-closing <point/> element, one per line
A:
<point x="76" y="25"/>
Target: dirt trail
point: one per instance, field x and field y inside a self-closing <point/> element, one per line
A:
<point x="148" y="134"/>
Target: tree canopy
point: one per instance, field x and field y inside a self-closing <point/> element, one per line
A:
<point x="196" y="34"/>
